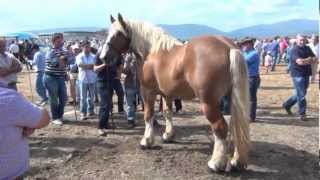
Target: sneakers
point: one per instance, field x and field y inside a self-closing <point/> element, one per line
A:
<point x="57" y="122"/>
<point x="287" y="109"/>
<point x="102" y="132"/>
<point x="303" y="118"/>
<point x="92" y="115"/>
<point x="83" y="116"/>
<point x="131" y="124"/>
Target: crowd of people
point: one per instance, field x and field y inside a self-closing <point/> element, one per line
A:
<point x="91" y="81"/>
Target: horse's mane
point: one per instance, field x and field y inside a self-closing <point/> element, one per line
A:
<point x="147" y="38"/>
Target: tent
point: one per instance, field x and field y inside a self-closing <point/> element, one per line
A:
<point x="22" y="35"/>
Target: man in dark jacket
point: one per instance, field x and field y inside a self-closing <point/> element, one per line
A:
<point x="301" y="59"/>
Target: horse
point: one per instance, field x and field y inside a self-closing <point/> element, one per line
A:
<point x="206" y="67"/>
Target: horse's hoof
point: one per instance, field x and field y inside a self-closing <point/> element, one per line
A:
<point x="167" y="139"/>
<point x="214" y="170"/>
<point x="143" y="147"/>
<point x="214" y="167"/>
<point x="237" y="166"/>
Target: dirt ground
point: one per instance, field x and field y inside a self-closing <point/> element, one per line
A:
<point x="283" y="146"/>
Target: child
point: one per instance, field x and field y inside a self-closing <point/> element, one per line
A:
<point x="268" y="61"/>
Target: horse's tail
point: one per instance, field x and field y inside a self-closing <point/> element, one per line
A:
<point x="239" y="124"/>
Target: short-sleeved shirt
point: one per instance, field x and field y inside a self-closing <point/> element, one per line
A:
<point x="274" y="48"/>
<point x="253" y="60"/>
<point x="16" y="113"/>
<point x="6" y="61"/>
<point x="53" y="67"/>
<point x="39" y="61"/>
<point x="86" y="76"/>
<point x="296" y="53"/>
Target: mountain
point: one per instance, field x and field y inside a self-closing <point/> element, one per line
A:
<point x="81" y="29"/>
<point x="284" y="28"/>
<point x="187" y="31"/>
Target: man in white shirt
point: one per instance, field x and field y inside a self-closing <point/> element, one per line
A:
<point x="9" y="67"/>
<point x="87" y="79"/>
<point x="314" y="46"/>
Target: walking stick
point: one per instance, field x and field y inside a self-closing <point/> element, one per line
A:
<point x="74" y="105"/>
<point x="29" y="77"/>
<point x="112" y="121"/>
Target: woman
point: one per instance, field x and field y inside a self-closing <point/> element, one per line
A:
<point x="19" y="119"/>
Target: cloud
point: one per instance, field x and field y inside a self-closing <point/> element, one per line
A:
<point x="16" y="15"/>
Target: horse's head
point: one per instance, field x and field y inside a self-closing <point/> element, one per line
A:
<point x="119" y="37"/>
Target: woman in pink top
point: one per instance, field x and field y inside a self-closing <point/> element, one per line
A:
<point x="19" y="118"/>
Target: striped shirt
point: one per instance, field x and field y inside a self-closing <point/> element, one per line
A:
<point x="53" y="67"/>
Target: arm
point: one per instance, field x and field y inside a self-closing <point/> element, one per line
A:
<point x="86" y="66"/>
<point x="44" y="121"/>
<point x="15" y="68"/>
<point x="98" y="68"/>
<point x="306" y="61"/>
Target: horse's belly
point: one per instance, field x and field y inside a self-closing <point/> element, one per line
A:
<point x="178" y="90"/>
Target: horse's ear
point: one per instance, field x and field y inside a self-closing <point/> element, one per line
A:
<point x="112" y="19"/>
<point x="120" y="19"/>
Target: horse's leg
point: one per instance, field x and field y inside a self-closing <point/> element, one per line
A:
<point x="148" y="137"/>
<point x="168" y="135"/>
<point x="219" y="158"/>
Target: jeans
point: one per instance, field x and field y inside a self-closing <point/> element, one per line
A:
<point x="130" y="101"/>
<point x="226" y="104"/>
<point x="274" y="62"/>
<point x="57" y="94"/>
<point x="41" y="90"/>
<point x="105" y="95"/>
<point x="117" y="86"/>
<point x="254" y="83"/>
<point x="301" y="85"/>
<point x="86" y="97"/>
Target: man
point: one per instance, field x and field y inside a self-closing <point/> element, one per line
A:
<point x="105" y="75"/>
<point x="301" y="58"/>
<point x="14" y="49"/>
<point x="9" y="67"/>
<point x="55" y="76"/>
<point x="117" y="86"/>
<point x="274" y="48"/>
<point x="19" y="118"/>
<point x="39" y="62"/>
<point x="314" y="46"/>
<point x="87" y="79"/>
<point x="252" y="59"/>
<point x="131" y="86"/>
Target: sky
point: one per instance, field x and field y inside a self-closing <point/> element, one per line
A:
<point x="225" y="15"/>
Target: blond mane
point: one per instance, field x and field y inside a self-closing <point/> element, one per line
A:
<point x="147" y="38"/>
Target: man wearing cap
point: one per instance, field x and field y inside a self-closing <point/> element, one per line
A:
<point x="55" y="76"/>
<point x="252" y="59"/>
<point x="9" y="67"/>
<point x="301" y="59"/>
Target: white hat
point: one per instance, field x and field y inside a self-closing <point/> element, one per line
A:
<point x="14" y="48"/>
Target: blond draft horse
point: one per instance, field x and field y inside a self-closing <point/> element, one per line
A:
<point x="206" y="67"/>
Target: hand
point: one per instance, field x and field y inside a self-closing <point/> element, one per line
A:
<point x="27" y="131"/>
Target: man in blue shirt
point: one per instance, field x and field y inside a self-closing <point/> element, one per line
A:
<point x="252" y="59"/>
<point x="40" y="62"/>
<point x="301" y="59"/>
<point x="274" y="48"/>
